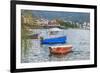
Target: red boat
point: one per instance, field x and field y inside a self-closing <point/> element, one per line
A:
<point x="60" y="50"/>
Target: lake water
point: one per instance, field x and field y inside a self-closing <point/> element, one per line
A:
<point x="79" y="38"/>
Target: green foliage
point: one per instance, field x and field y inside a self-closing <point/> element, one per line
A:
<point x="26" y="12"/>
<point x="66" y="24"/>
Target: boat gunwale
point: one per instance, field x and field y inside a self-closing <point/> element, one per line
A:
<point x="67" y="45"/>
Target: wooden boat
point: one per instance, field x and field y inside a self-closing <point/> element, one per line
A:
<point x="60" y="50"/>
<point x="56" y="40"/>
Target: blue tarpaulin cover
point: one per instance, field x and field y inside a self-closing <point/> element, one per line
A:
<point x="56" y="40"/>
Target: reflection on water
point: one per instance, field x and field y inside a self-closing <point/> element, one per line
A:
<point x="80" y="39"/>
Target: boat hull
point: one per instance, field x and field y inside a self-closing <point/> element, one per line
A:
<point x="60" y="50"/>
<point x="56" y="40"/>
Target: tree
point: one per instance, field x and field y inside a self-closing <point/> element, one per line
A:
<point x="66" y="24"/>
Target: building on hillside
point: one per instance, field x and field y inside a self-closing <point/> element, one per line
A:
<point x="26" y="19"/>
<point x="47" y="23"/>
<point x="42" y="22"/>
<point x="53" y="23"/>
<point x="29" y="20"/>
<point x="86" y="25"/>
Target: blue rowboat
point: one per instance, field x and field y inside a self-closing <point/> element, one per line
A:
<point x="57" y="40"/>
